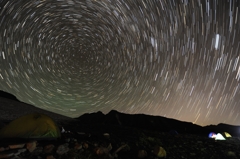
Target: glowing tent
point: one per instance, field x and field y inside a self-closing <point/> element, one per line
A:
<point x="219" y="137"/>
<point x="227" y="135"/>
<point x="212" y="135"/>
<point x="34" y="125"/>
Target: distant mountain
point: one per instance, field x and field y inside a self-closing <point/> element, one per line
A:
<point x="8" y="96"/>
<point x="153" y="123"/>
<point x="142" y="121"/>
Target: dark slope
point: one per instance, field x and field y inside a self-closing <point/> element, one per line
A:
<point x="8" y="96"/>
<point x="11" y="108"/>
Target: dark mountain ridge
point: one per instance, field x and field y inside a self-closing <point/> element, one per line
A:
<point x="154" y="123"/>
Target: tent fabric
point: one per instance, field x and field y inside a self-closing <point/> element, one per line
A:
<point x="219" y="137"/>
<point x="212" y="135"/>
<point x="33" y="125"/>
<point x="226" y="134"/>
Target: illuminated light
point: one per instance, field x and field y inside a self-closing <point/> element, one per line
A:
<point x="217" y="41"/>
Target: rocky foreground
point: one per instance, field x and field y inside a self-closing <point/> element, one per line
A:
<point x="117" y="136"/>
<point x="113" y="141"/>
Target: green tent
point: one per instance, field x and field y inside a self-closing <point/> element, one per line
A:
<point x="33" y="125"/>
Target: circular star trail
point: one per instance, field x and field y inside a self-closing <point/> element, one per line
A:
<point x="173" y="58"/>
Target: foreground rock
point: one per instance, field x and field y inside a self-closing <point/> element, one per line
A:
<point x="109" y="141"/>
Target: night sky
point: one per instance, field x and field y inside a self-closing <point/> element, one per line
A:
<point x="172" y="58"/>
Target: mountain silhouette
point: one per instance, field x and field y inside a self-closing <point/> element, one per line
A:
<point x="8" y="96"/>
<point x="153" y="123"/>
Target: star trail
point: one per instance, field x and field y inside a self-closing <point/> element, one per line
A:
<point x="173" y="58"/>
